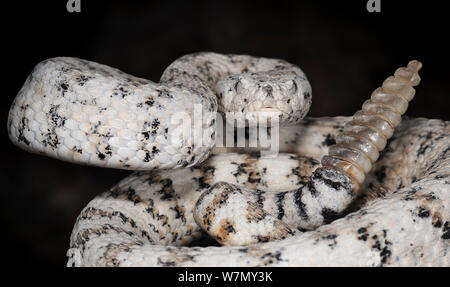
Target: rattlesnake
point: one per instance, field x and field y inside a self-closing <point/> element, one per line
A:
<point x="280" y="210"/>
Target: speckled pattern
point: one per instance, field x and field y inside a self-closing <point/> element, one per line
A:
<point x="399" y="218"/>
<point x="324" y="184"/>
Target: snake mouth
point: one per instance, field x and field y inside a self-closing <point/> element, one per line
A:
<point x="271" y="110"/>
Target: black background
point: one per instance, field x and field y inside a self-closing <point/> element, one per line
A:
<point x="345" y="51"/>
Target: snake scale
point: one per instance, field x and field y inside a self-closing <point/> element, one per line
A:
<point x="342" y="191"/>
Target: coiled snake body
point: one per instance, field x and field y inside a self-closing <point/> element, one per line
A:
<point x="284" y="210"/>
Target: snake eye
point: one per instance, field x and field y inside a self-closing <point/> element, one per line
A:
<point x="294" y="86"/>
<point x="237" y="85"/>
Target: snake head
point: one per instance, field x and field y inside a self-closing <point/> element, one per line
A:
<point x="246" y="95"/>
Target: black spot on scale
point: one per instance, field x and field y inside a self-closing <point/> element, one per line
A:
<point x="131" y="196"/>
<point x="146" y="135"/>
<point x="166" y="191"/>
<point x="301" y="207"/>
<point x="165" y="94"/>
<point x="228" y="228"/>
<point x="202" y="184"/>
<point x="363" y="234"/>
<point x="124" y="218"/>
<point x="56" y="120"/>
<point x="252" y="179"/>
<point x="63" y="87"/>
<point x="427" y="136"/>
<point x="381" y="173"/>
<point x="147" y="157"/>
<point x="279" y="202"/>
<point x="82" y="79"/>
<point x="123" y="92"/>
<point x="423" y="212"/>
<point x="332" y="237"/>
<point x="312" y="188"/>
<point x="108" y="150"/>
<point x="240" y="169"/>
<point x="22" y="126"/>
<point x="262" y="239"/>
<point x="77" y="150"/>
<point x="422" y="149"/>
<point x="179" y="213"/>
<point x="259" y="197"/>
<point x="385" y="254"/>
<point x="50" y="139"/>
<point x="243" y="250"/>
<point x="210" y="170"/>
<point x="328" y="215"/>
<point x="438" y="223"/>
<point x="441" y="176"/>
<point x="329" y="140"/>
<point x="306" y="95"/>
<point x="155" y="126"/>
<point x="166" y="263"/>
<point x="101" y="156"/>
<point x="446" y="231"/>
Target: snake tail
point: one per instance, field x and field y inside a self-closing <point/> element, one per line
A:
<point x="359" y="146"/>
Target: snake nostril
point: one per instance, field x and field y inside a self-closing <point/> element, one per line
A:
<point x="269" y="91"/>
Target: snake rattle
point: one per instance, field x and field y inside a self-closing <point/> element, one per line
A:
<point x="282" y="211"/>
